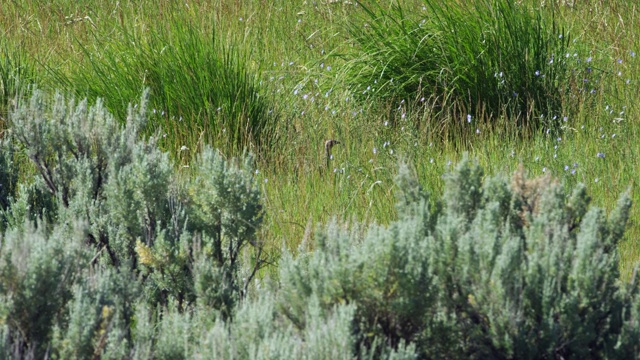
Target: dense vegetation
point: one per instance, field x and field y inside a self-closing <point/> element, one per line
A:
<point x="164" y="191"/>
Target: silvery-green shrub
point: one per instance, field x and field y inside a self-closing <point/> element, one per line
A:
<point x="38" y="267"/>
<point x="179" y="237"/>
<point x="493" y="270"/>
<point x="111" y="252"/>
<point x="97" y="323"/>
<point x="8" y="174"/>
<point x="139" y="212"/>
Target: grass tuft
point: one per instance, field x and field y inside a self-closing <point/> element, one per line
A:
<point x="507" y="60"/>
<point x="16" y="72"/>
<point x="202" y="88"/>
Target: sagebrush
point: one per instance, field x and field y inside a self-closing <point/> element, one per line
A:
<point x="129" y="256"/>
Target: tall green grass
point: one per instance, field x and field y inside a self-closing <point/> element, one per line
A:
<point x="495" y="57"/>
<point x="202" y="86"/>
<point x="290" y="46"/>
<point x="16" y="72"/>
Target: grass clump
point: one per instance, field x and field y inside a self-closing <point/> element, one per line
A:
<point x="16" y="71"/>
<point x="200" y="85"/>
<point x="507" y="59"/>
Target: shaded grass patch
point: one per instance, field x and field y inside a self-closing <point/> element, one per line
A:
<point x="201" y="86"/>
<point x="506" y="60"/>
<point x="16" y="72"/>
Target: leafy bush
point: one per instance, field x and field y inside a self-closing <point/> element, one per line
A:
<point x="506" y="59"/>
<point x="258" y="331"/>
<point x="38" y="267"/>
<point x="492" y="271"/>
<point x="184" y="235"/>
<point x="138" y="260"/>
<point x="99" y="314"/>
<point x="8" y="174"/>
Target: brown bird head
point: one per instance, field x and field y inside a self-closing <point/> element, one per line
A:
<point x="330" y="144"/>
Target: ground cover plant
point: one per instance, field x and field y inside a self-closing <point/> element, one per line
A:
<point x="157" y="245"/>
<point x="199" y="84"/>
<point x="506" y="59"/>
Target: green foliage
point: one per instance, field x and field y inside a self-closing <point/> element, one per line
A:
<point x="227" y="208"/>
<point x="186" y="236"/>
<point x="8" y="174"/>
<point x="98" y="318"/>
<point x="87" y="162"/>
<point x="180" y="296"/>
<point x="199" y="84"/>
<point x="257" y="332"/>
<point x="495" y="271"/>
<point x="144" y="262"/>
<point x="16" y="73"/>
<point x="505" y="59"/>
<point x="38" y="267"/>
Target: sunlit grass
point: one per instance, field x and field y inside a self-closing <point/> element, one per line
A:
<point x="509" y="58"/>
<point x="17" y="72"/>
<point x="292" y="48"/>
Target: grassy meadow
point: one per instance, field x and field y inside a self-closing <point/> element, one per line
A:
<point x="551" y="85"/>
